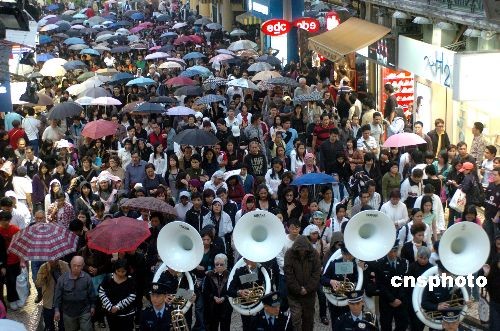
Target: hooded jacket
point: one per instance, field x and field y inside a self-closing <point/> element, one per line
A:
<point x="302" y="268"/>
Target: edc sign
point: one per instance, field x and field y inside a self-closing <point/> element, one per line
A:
<point x="278" y="27"/>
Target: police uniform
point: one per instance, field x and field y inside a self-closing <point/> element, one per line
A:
<point x="152" y="320"/>
<point x="265" y="322"/>
<point x="328" y="275"/>
<point x="386" y="270"/>
<point x="452" y="315"/>
<point x="349" y="322"/>
<point x="167" y="277"/>
<point x="237" y="285"/>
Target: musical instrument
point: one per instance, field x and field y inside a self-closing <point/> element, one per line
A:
<point x="368" y="236"/>
<point x="258" y="236"/>
<point x="181" y="248"/>
<point x="455" y="302"/>
<point x="344" y="287"/>
<point x="463" y="249"/>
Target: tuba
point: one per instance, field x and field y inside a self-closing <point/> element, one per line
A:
<point x="463" y="249"/>
<point x="368" y="236"/>
<point x="258" y="236"/>
<point x="181" y="248"/>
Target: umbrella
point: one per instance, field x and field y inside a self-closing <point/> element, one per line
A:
<point x="141" y="81"/>
<point x="151" y="204"/>
<point x="79" y="15"/>
<point x="180" y="111"/>
<point x="220" y="58"/>
<point x="121" y="78"/>
<point x="84" y="101"/>
<point x="265" y="75"/>
<point x="85" y="76"/>
<point x="242" y="44"/>
<point x="225" y="51"/>
<point x="403" y="139"/>
<point x="107" y="72"/>
<point x="163" y="18"/>
<point x="98" y="129"/>
<point x="74" y="41"/>
<point x="242" y="82"/>
<point x="90" y="51"/>
<point x="65" y="110"/>
<point x="196" y="137"/>
<point x="214" y="82"/>
<point x="164" y="99"/>
<point x="179" y="25"/>
<point x="6" y="324"/>
<point x="120" y="49"/>
<point x="170" y="65"/>
<point x="237" y="33"/>
<point x="103" y="37"/>
<point x="180" y="81"/>
<point x="283" y="81"/>
<point x="202" y="21"/>
<point x="44" y="57"/>
<point x="120" y="234"/>
<point x="209" y="98"/>
<point x="190" y="73"/>
<point x="53" y="71"/>
<point x="157" y="55"/>
<point x="49" y="27"/>
<point x="150" y="108"/>
<point x="273" y="60"/>
<point x="78" y="47"/>
<point x="260" y="66"/>
<point x="314" y="179"/>
<point x="45" y="39"/>
<point x="169" y="34"/>
<point x="193" y="55"/>
<point x="57" y="61"/>
<point x="189" y="90"/>
<point x="137" y="16"/>
<point x="43" y="242"/>
<point x="213" y="26"/>
<point x="106" y="101"/>
<point x="314" y="96"/>
<point x="72" y="65"/>
<point x="94" y="92"/>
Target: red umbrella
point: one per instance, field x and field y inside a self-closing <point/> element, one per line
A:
<point x="116" y="235"/>
<point x="98" y="129"/>
<point x="180" y="81"/>
<point x="182" y="40"/>
<point x="151" y="204"/>
<point x="43" y="242"/>
<point x="196" y="39"/>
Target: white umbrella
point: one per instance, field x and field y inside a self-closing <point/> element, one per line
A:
<point x="20" y="69"/>
<point x="237" y="33"/>
<point x="49" y="27"/>
<point x="157" y="55"/>
<point x="260" y="66"/>
<point x="84" y="101"/>
<point x="122" y="31"/>
<point x="179" y="25"/>
<point x="242" y="44"/>
<point x="263" y="75"/>
<point x="242" y="82"/>
<point x="76" y="89"/>
<point x="96" y="81"/>
<point x="170" y="65"/>
<point x="106" y="101"/>
<point x="57" y="61"/>
<point x="53" y="71"/>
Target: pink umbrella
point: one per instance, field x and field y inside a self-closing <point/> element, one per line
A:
<point x="404" y="139"/>
<point x="137" y="29"/>
<point x="98" y="129"/>
<point x="180" y="81"/>
<point x="155" y="48"/>
<point x="221" y="57"/>
<point x="146" y="24"/>
<point x="106" y="101"/>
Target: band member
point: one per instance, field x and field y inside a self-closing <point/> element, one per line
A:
<point x="332" y="280"/>
<point x="439" y="299"/>
<point x="451" y="320"/>
<point x="243" y="280"/>
<point x="271" y="318"/>
<point x="158" y="316"/>
<point x="393" y="300"/>
<point x="349" y="321"/>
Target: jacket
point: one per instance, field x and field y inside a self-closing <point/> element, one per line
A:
<point x="302" y="268"/>
<point x="45" y="280"/>
<point x="445" y="141"/>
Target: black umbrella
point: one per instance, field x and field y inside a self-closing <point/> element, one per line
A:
<point x="189" y="90"/>
<point x="64" y="110"/>
<point x="120" y="78"/>
<point x="163" y="18"/>
<point x="166" y="48"/>
<point x="73" y="33"/>
<point x="196" y="137"/>
<point x="120" y="49"/>
<point x="164" y="99"/>
<point x="150" y="108"/>
<point x="273" y="60"/>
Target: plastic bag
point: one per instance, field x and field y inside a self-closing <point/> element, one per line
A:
<point x="458" y="201"/>
<point x="22" y="285"/>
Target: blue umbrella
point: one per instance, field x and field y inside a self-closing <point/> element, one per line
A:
<point x="151" y="108"/>
<point x="90" y="51"/>
<point x="203" y="70"/>
<point x="190" y="73"/>
<point x="314" y="179"/>
<point x="79" y="15"/>
<point x="44" y="57"/>
<point x="53" y="7"/>
<point x="72" y="65"/>
<point x="45" y="39"/>
<point x="120" y="78"/>
<point x="74" y="41"/>
<point x="141" y="81"/>
<point x="137" y="16"/>
<point x="193" y="55"/>
<point x="169" y="35"/>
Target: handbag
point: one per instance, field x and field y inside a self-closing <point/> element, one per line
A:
<point x="484" y="307"/>
<point x="22" y="285"/>
<point x="457" y="202"/>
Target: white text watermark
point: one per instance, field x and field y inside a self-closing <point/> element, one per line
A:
<point x="436" y="281"/>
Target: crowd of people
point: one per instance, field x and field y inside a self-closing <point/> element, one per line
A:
<point x="268" y="137"/>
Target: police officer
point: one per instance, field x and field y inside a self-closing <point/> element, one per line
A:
<point x="271" y="318"/>
<point x="243" y="279"/>
<point x="332" y="280"/>
<point x="157" y="317"/>
<point x="438" y="299"/>
<point x="393" y="300"/>
<point x="351" y="320"/>
<point x="451" y="319"/>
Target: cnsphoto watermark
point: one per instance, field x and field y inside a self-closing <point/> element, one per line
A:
<point x="436" y="281"/>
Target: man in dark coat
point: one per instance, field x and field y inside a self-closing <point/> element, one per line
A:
<point x="158" y="316"/>
<point x="302" y="272"/>
<point x="349" y="321"/>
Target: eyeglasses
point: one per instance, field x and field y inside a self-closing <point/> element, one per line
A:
<point x="219" y="264"/>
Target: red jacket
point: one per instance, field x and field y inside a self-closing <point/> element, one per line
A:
<point x="7" y="235"/>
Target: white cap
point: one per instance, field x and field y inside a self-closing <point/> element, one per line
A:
<point x="198" y="114"/>
<point x="311" y="228"/>
<point x="11" y="194"/>
<point x="235" y="130"/>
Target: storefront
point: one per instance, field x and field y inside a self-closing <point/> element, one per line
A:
<point x="433" y="70"/>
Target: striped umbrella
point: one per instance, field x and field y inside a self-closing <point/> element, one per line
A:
<point x="314" y="96"/>
<point x="209" y="98"/>
<point x="214" y="82"/>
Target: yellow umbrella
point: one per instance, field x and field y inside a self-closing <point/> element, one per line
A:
<point x="53" y="71"/>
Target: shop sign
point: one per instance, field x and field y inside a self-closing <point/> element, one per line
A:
<point x="427" y="61"/>
<point x="307" y="23"/>
<point x="476" y="76"/>
<point x="332" y="20"/>
<point x="259" y="6"/>
<point x="276" y="27"/>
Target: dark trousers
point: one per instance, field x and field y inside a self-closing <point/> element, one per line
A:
<point x="48" y="320"/>
<point x="246" y="321"/>
<point x="415" y="323"/>
<point x="388" y="314"/>
<point x="219" y="315"/>
<point x="13" y="271"/>
<point x="321" y="301"/>
<point x="302" y="312"/>
<point x="283" y="293"/>
<point x="336" y="312"/>
<point x="120" y="323"/>
<point x="199" y="325"/>
<point x="494" y="315"/>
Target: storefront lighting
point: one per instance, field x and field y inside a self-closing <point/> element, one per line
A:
<point x="446" y="26"/>
<point x="473" y="33"/>
<point x="488" y="35"/>
<point x="422" y="20"/>
<point x="400" y="15"/>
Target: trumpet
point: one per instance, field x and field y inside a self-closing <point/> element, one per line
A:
<point x="179" y="322"/>
<point x="344" y="287"/>
<point x="455" y="302"/>
<point x="256" y="293"/>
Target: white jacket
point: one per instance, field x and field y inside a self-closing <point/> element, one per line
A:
<point x="397" y="213"/>
<point x="280" y="258"/>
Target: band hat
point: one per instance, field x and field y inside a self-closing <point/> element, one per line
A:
<point x="452" y="314"/>
<point x="354" y="296"/>
<point x="271" y="299"/>
<point x="364" y="326"/>
<point x="158" y="288"/>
